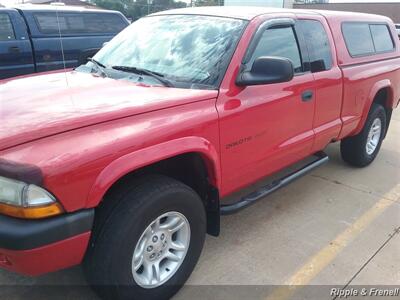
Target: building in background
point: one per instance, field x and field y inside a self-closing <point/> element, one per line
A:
<point x="268" y="3"/>
<point x="388" y="9"/>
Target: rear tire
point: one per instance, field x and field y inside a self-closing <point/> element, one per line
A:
<point x="126" y="241"/>
<point x="360" y="150"/>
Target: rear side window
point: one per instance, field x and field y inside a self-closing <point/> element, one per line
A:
<point x="6" y="28"/>
<point x="279" y="42"/>
<point x="366" y="39"/>
<point x="358" y="39"/>
<point x="381" y="36"/>
<point x="318" y="45"/>
<point x="79" y="23"/>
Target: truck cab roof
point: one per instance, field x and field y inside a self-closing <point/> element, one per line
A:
<point x="251" y="12"/>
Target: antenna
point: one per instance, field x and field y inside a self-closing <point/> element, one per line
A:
<point x="62" y="46"/>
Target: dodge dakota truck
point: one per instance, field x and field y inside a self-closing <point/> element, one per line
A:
<point x="31" y="36"/>
<point x="125" y="163"/>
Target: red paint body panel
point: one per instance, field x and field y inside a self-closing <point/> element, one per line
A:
<point x="73" y="161"/>
<point x="328" y="86"/>
<point x="49" y="258"/>
<point x="272" y="126"/>
<point x="361" y="84"/>
<point x="55" y="104"/>
<point x="364" y="76"/>
<point x="86" y="135"/>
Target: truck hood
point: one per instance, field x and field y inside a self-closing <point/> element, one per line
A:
<point x="38" y="106"/>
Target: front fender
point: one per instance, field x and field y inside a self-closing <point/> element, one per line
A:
<point x="147" y="156"/>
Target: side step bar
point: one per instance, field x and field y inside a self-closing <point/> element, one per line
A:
<point x="272" y="187"/>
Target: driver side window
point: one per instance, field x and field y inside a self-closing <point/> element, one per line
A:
<point x="281" y="42"/>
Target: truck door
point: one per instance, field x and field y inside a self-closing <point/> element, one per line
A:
<point x="15" y="47"/>
<point x="264" y="128"/>
<point x="328" y="79"/>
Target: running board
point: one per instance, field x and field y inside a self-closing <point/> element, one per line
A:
<point x="272" y="187"/>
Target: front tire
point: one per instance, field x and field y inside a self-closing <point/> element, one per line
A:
<point x="360" y="150"/>
<point x="150" y="243"/>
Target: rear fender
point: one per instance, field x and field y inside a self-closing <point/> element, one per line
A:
<point x="386" y="83"/>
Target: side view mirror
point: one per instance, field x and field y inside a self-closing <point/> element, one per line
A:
<point x="265" y="70"/>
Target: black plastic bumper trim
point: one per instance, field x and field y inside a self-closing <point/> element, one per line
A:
<point x="18" y="234"/>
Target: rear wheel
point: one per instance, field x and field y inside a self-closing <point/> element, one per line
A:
<point x="360" y="150"/>
<point x="150" y="242"/>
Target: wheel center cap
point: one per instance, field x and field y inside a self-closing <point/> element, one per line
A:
<point x="157" y="245"/>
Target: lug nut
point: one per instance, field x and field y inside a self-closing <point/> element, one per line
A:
<point x="149" y="248"/>
<point x="155" y="238"/>
<point x="153" y="255"/>
<point x="162" y="237"/>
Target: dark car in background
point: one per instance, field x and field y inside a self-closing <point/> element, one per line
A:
<point x="39" y="38"/>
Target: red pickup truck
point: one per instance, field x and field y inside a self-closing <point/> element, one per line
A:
<point x="126" y="162"/>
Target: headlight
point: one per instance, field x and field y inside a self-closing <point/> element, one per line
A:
<point x="22" y="200"/>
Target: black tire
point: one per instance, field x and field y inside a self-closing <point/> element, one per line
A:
<point x="108" y="261"/>
<point x="353" y="149"/>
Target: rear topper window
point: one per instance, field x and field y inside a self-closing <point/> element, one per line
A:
<point x="381" y="36"/>
<point x="364" y="39"/>
<point x="79" y="23"/>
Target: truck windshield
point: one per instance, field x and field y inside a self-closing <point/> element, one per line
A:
<point x="190" y="51"/>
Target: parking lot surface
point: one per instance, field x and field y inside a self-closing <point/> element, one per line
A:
<point x="336" y="226"/>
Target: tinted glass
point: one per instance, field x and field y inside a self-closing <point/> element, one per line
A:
<point x="79" y="23"/>
<point x="381" y="37"/>
<point x="6" y="28"/>
<point x="188" y="50"/>
<point x="103" y="23"/>
<point x="318" y="45"/>
<point x="279" y="42"/>
<point x="358" y="38"/>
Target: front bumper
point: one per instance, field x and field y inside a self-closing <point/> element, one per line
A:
<point x="35" y="247"/>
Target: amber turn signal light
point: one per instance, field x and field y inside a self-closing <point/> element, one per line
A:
<point x="38" y="212"/>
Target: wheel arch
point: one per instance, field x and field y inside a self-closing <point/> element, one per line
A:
<point x="381" y="93"/>
<point x="192" y="160"/>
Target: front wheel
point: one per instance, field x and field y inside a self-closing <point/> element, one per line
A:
<point x="150" y="243"/>
<point x="360" y="150"/>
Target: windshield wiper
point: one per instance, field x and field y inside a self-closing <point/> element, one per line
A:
<point x="99" y="66"/>
<point x="140" y="71"/>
